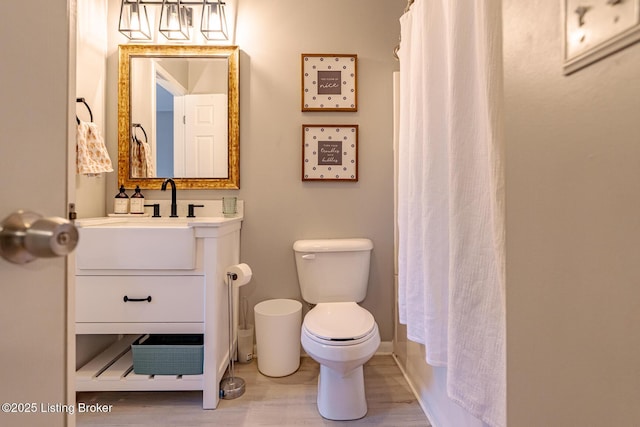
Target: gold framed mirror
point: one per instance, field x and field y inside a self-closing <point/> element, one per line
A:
<point x="178" y="116"/>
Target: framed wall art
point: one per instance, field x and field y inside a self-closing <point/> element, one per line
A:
<point x="329" y="82"/>
<point x="329" y="152"/>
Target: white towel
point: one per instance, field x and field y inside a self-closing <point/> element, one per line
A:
<point x="92" y="157"/>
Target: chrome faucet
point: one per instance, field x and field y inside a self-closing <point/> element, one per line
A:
<point x="174" y="205"/>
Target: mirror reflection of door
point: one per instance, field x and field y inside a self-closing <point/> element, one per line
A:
<point x="191" y="135"/>
<point x="185" y="110"/>
<point x="205" y="131"/>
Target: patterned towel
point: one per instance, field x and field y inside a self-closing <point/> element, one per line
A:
<point x="141" y="160"/>
<point x="92" y="157"/>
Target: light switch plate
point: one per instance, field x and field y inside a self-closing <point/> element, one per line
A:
<point x="597" y="28"/>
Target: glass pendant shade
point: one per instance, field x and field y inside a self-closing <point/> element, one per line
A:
<point x="214" y="21"/>
<point x="174" y="21"/>
<point x="134" y="22"/>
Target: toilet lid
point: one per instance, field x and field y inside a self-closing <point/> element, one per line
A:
<point x="339" y="321"/>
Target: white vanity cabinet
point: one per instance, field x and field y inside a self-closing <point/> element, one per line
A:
<point x="112" y="297"/>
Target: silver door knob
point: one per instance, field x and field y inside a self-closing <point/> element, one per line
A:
<point x="25" y="236"/>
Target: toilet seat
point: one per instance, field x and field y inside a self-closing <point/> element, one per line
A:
<point x="339" y="323"/>
<point x="340" y="342"/>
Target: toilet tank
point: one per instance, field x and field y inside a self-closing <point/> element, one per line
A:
<point x="333" y="270"/>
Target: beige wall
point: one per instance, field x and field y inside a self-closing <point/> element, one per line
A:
<point x="573" y="228"/>
<point x="279" y="207"/>
<point x="90" y="84"/>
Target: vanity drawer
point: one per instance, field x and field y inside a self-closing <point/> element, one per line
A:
<point x="101" y="299"/>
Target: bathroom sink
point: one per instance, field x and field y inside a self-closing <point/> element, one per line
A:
<point x="136" y="243"/>
<point x="142" y="243"/>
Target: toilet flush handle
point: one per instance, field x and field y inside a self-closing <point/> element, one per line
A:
<point x="309" y="256"/>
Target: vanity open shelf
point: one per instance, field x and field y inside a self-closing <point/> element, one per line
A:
<point x="129" y="294"/>
<point x="112" y="370"/>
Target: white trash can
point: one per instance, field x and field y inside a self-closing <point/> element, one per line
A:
<point x="278" y="325"/>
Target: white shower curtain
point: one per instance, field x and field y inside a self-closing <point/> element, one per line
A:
<point x="450" y="197"/>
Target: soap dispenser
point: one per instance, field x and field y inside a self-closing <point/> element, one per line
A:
<point x="121" y="203"/>
<point x="137" y="202"/>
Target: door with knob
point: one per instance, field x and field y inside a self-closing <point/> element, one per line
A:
<point x="26" y="236"/>
<point x="37" y="121"/>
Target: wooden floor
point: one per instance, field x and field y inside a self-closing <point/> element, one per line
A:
<point x="286" y="401"/>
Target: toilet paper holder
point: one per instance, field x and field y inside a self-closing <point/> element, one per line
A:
<point x="26" y="236"/>
<point x="232" y="387"/>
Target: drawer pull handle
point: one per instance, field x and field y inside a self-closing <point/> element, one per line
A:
<point x="126" y="299"/>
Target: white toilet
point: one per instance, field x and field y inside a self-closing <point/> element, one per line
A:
<point x="337" y="333"/>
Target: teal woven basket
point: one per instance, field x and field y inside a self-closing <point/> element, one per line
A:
<point x="169" y="355"/>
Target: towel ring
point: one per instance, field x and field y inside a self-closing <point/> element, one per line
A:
<point x="135" y="137"/>
<point x="82" y="100"/>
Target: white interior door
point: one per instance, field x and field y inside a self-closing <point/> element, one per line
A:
<point x="206" y="154"/>
<point x="37" y="113"/>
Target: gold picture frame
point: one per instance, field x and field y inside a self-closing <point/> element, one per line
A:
<point x="129" y="52"/>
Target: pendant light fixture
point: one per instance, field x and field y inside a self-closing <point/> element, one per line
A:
<point x="176" y="19"/>
<point x="213" y="24"/>
<point x="134" y="22"/>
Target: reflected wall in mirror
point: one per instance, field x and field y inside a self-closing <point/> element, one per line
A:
<point x="178" y="116"/>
